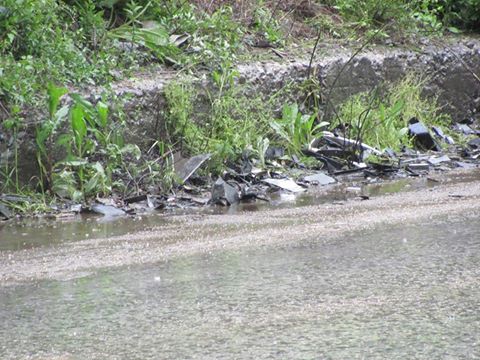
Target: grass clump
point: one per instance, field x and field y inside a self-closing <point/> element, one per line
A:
<point x="380" y="118"/>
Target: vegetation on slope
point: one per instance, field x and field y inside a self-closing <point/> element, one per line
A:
<point x="45" y="43"/>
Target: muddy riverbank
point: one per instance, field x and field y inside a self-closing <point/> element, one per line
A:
<point x="185" y="235"/>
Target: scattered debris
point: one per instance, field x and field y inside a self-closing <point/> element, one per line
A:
<point x="135" y="199"/>
<point x="251" y="179"/>
<point x="347" y="143"/>
<point x="465" y="165"/>
<point x="179" y="40"/>
<point x="286" y="184"/>
<point x="423" y="166"/>
<point x="464" y="129"/>
<point x="353" y="189"/>
<point x="15" y="198"/>
<point x="440" y="134"/>
<point x="76" y="208"/>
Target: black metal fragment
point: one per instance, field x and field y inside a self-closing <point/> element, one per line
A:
<point x="422" y="137"/>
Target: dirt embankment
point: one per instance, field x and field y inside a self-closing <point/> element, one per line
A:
<point x="186" y="235"/>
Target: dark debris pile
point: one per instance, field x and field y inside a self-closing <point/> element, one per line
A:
<point x="341" y="160"/>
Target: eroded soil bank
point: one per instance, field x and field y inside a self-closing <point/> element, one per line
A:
<point x="203" y="233"/>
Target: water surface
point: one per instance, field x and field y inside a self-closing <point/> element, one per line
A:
<point x="395" y="293"/>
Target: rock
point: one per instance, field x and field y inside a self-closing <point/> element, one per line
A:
<point x="274" y="152"/>
<point x="224" y="193"/>
<point x="423" y="138"/>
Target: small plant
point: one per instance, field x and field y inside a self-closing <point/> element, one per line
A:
<point x="265" y="23"/>
<point x="9" y="174"/>
<point x="296" y="130"/>
<point x="152" y="35"/>
<point x="453" y="15"/>
<point x="46" y="133"/>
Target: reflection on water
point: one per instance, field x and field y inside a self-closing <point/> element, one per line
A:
<point x="403" y="292"/>
<point x="43" y="232"/>
<point x="33" y="233"/>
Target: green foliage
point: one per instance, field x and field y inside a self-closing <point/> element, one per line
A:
<point x="265" y="23"/>
<point x="296" y="130"/>
<point x="453" y="14"/>
<point x="403" y="15"/>
<point x="95" y="153"/>
<point x="231" y="124"/>
<point x="42" y="41"/>
<point x="46" y="132"/>
<point x="381" y="120"/>
<point x="367" y="14"/>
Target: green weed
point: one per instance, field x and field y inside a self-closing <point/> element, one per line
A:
<point x="230" y="124"/>
<point x="381" y="120"/>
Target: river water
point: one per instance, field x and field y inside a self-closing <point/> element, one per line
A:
<point x="399" y="292"/>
